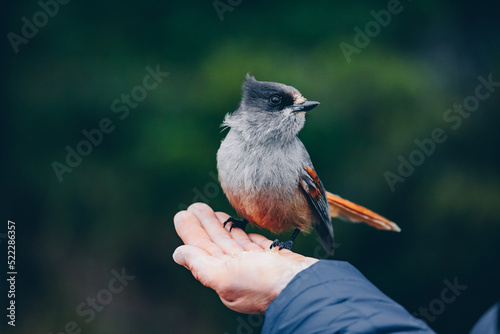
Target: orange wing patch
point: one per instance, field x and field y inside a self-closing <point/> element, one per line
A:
<point x="315" y="192"/>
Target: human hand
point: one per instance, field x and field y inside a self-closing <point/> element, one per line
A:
<point x="240" y="267"/>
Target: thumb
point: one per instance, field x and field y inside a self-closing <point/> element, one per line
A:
<point x="186" y="253"/>
<point x="202" y="265"/>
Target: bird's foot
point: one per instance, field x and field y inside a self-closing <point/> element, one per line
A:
<point x="282" y="244"/>
<point x="286" y="244"/>
<point x="239" y="223"/>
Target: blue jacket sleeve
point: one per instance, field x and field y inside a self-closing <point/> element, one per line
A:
<point x="334" y="297"/>
<point x="489" y="323"/>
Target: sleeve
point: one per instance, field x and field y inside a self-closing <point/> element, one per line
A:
<point x="489" y="323"/>
<point x="334" y="297"/>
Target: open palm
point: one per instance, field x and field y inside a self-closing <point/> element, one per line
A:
<point x="240" y="267"/>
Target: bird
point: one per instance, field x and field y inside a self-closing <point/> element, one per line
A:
<point x="266" y="172"/>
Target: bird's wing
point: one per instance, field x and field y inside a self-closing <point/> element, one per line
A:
<point x="346" y="210"/>
<point x="315" y="193"/>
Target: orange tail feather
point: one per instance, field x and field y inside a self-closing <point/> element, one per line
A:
<point x="346" y="210"/>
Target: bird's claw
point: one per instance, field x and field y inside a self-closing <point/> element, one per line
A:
<point x="239" y="223"/>
<point x="282" y="244"/>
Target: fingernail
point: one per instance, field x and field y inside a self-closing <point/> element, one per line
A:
<point x="177" y="256"/>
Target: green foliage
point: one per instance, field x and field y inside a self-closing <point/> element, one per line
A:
<point x="115" y="208"/>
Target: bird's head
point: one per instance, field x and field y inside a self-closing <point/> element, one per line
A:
<point x="269" y="110"/>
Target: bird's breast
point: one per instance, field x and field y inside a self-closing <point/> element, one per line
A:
<point x="254" y="167"/>
<point x="261" y="183"/>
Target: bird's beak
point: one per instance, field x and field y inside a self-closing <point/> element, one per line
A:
<point x="306" y="106"/>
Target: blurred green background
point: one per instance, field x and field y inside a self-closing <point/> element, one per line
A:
<point x="115" y="209"/>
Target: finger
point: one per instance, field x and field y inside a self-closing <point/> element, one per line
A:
<point x="240" y="236"/>
<point x="204" y="267"/>
<point x="222" y="216"/>
<point x="217" y="233"/>
<point x="261" y="240"/>
<point x="191" y="232"/>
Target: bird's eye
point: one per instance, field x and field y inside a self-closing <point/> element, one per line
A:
<point x="275" y="100"/>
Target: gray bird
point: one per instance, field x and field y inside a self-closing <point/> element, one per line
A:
<point x="267" y="174"/>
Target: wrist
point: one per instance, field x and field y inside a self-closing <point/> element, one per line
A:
<point x="288" y="275"/>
